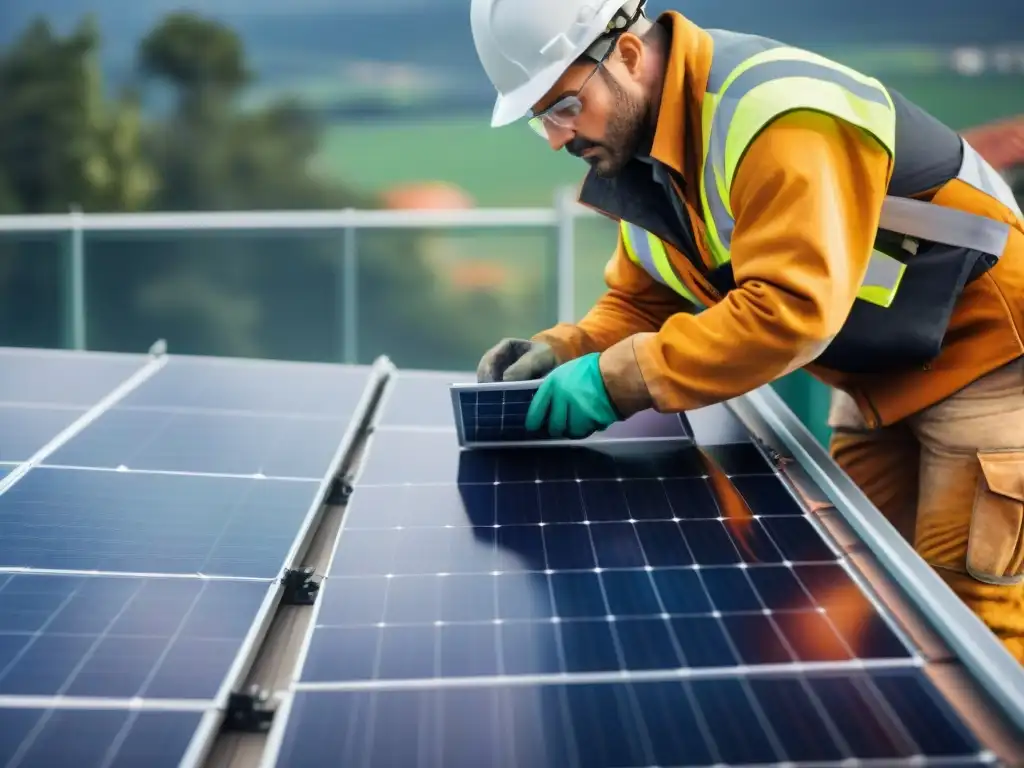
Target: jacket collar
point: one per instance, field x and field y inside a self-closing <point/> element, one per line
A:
<point x="678" y="138"/>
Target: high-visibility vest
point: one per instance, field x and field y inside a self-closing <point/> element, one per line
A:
<point x="754" y="80"/>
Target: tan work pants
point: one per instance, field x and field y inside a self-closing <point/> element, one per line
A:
<point x="951" y="480"/>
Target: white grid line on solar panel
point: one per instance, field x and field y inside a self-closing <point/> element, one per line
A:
<point x="755" y="671"/>
<point x="118" y="639"/>
<point x="177" y="473"/>
<point x="190" y="410"/>
<point x="211" y="443"/>
<point x="93" y="703"/>
<point x="14" y="571"/>
<point x="88" y="417"/>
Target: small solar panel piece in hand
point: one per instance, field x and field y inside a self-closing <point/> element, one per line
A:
<point x="494" y="414"/>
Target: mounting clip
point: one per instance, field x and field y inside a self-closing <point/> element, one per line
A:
<point x="249" y="711"/>
<point x="299" y="587"/>
<point x="340" y="491"/>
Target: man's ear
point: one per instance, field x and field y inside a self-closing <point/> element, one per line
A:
<point x="629" y="51"/>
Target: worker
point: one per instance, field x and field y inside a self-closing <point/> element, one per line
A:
<point x="779" y="211"/>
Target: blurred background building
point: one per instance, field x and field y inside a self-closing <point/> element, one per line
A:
<point x="113" y="106"/>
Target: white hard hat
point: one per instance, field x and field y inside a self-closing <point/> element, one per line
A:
<point x="526" y="45"/>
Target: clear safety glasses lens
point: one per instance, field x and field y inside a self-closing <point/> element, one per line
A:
<point x="561" y="114"/>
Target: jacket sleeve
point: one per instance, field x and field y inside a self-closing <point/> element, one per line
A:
<point x="634" y="303"/>
<point x="807" y="200"/>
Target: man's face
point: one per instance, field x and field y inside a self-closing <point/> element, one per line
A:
<point x="609" y="128"/>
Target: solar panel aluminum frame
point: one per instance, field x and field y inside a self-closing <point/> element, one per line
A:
<point x="778" y="430"/>
<point x="610" y="435"/>
<point x="381" y="372"/>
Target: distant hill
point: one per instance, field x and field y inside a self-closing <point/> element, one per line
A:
<point x="320" y="40"/>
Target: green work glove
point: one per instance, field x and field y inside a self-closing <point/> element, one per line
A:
<point x="572" y="401"/>
<point x="516" y="360"/>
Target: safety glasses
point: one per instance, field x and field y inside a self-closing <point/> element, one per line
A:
<point x="563" y="113"/>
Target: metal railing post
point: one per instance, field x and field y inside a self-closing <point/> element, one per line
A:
<point x="349" y="296"/>
<point x="565" y="222"/>
<point x="76" y="287"/>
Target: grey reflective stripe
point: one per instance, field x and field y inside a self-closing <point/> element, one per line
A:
<point x="759" y="74"/>
<point x="939" y="224"/>
<point x="974" y="170"/>
<point x="731" y="50"/>
<point x="883" y="271"/>
<point x="642" y="249"/>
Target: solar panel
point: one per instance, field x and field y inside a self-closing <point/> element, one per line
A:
<point x="141" y="552"/>
<point x="54" y="377"/>
<point x="245" y="418"/>
<point x="617" y="603"/>
<point x="25" y="429"/>
<point x="494" y="414"/>
<point x="151" y="523"/>
<point x="774" y="719"/>
<point x="118" y="637"/>
<point x="222" y="443"/>
<point x="88" y="738"/>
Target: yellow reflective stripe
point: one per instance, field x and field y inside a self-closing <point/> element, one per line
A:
<point x="794" y="93"/>
<point x="786" y="53"/>
<point x="667" y="271"/>
<point x="627" y="242"/>
<point x="766" y="85"/>
<point x="649" y="253"/>
<point x="882" y="279"/>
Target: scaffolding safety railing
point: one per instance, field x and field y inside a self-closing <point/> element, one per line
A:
<point x="560" y="218"/>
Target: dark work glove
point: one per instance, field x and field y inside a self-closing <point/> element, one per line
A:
<point x="516" y="360"/>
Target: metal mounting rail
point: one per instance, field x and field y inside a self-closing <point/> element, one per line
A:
<point x="768" y="418"/>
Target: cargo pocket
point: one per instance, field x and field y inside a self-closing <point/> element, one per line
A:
<point x="995" y="544"/>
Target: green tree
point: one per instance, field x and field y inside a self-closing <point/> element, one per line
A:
<point x="62" y="143"/>
<point x="272" y="294"/>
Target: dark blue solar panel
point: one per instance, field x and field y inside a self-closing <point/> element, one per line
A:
<point x="243" y="444"/>
<point x="121" y="637"/>
<point x="884" y="715"/>
<point x="499" y="415"/>
<point x="102" y="738"/>
<point x="312" y="389"/>
<point x="24" y="430"/>
<point x="37" y="376"/>
<point x="151" y="523"/>
<point x="400" y="456"/>
<point x="581" y="560"/>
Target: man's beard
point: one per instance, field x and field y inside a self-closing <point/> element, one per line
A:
<point x="623" y="137"/>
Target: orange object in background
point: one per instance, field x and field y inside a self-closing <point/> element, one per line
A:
<point x="1001" y="143"/>
<point x="427" y="195"/>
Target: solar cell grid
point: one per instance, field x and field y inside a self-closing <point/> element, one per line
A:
<point x="894" y="716"/>
<point x="221" y="443"/>
<point x="495" y="414"/>
<point x="255" y="386"/>
<point x="151" y="523"/>
<point x="121" y="637"/>
<point x="24" y="430"/>
<point x="584" y="560"/>
<point x="51" y="377"/>
<point x="100" y="738"/>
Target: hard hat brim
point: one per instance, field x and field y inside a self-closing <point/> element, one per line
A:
<point x="515" y="105"/>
